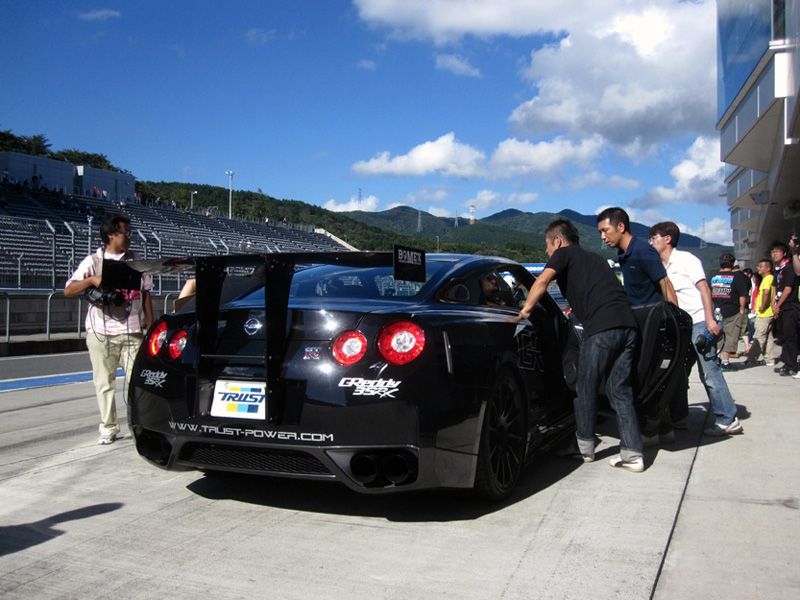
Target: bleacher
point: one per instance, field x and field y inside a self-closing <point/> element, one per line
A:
<point x="39" y="229"/>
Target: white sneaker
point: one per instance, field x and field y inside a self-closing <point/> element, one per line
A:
<point x="108" y="438"/>
<point x="796" y="375"/>
<point x="634" y="465"/>
<point x="717" y="430"/>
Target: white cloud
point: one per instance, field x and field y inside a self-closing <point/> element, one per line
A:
<point x="438" y="211"/>
<point x="258" y="37"/>
<point x="444" y="155"/>
<point x="716" y="231"/>
<point x="484" y="200"/>
<point x="457" y="65"/>
<point x="100" y="14"/>
<point x="366" y="65"/>
<point x="513" y="157"/>
<point x="368" y="204"/>
<point x="637" y="73"/>
<point x="698" y="178"/>
<point x="640" y="76"/>
<point x="597" y="179"/>
<point x="517" y="198"/>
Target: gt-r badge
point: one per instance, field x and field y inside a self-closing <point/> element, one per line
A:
<point x="311" y="353"/>
<point x="252" y="326"/>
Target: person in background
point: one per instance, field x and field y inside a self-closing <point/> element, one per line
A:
<point x="609" y="339"/>
<point x="686" y="273"/>
<point x="730" y="291"/>
<point x="755" y="281"/>
<point x="786" y="308"/>
<point x="763" y="337"/>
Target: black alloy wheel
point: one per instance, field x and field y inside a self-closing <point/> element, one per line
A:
<point x="502" y="449"/>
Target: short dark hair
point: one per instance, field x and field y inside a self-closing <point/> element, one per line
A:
<point x="766" y="260"/>
<point x="776" y="245"/>
<point x="726" y="260"/>
<point x="110" y="226"/>
<point x="667" y="228"/>
<point x="565" y="229"/>
<point x="748" y="271"/>
<point x="615" y="215"/>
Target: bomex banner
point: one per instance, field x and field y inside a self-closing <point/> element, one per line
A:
<point x="409" y="264"/>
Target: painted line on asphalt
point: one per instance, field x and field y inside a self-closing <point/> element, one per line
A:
<point x="26" y="383"/>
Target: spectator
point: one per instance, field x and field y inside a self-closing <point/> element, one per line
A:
<point x="685" y="271"/>
<point x="730" y="291"/>
<point x="786" y="308"/>
<point x="609" y="339"/>
<point x="755" y="281"/>
<point x="763" y="336"/>
<point x="114" y="331"/>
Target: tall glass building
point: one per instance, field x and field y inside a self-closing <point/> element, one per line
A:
<point x="758" y="78"/>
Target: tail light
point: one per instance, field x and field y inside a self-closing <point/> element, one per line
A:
<point x="349" y="347"/>
<point x="156" y="339"/>
<point x="401" y="342"/>
<point x="177" y="344"/>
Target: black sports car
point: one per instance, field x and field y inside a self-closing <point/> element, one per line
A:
<point x="326" y="366"/>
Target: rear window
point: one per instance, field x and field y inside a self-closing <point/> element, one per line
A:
<point x="336" y="282"/>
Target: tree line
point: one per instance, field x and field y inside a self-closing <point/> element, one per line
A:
<point x="39" y="145"/>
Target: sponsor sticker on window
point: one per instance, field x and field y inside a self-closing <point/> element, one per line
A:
<point x="239" y="400"/>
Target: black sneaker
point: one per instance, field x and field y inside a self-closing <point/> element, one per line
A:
<point x="787" y="372"/>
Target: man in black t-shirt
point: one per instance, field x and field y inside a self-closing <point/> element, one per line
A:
<point x="730" y="292"/>
<point x="786" y="308"/>
<point x="609" y="339"/>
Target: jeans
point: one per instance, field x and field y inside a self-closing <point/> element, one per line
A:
<point x="717" y="389"/>
<point x="608" y="354"/>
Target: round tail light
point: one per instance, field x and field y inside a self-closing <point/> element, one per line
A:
<point x="349" y="347"/>
<point x="401" y="342"/>
<point x="156" y="339"/>
<point x="177" y="344"/>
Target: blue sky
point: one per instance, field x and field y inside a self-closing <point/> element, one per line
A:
<point x="437" y="104"/>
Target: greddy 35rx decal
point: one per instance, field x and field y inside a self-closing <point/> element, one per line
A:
<point x="153" y="378"/>
<point x="383" y="388"/>
<point x="260" y="434"/>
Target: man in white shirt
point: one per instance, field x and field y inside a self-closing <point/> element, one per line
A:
<point x="685" y="271"/>
<point x="115" y="324"/>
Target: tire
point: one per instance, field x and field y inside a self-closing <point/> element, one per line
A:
<point x="503" y="439"/>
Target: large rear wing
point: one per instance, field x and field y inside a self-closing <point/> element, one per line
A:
<point x="274" y="272"/>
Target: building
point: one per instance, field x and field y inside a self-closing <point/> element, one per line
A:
<point x="58" y="175"/>
<point x="758" y="78"/>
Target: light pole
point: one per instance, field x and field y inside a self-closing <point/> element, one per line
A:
<point x="230" y="193"/>
<point x="191" y="200"/>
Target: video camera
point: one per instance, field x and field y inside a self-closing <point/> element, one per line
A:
<point x="104" y="297"/>
<point x="707" y="341"/>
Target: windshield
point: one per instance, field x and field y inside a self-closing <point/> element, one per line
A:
<point x="337" y="282"/>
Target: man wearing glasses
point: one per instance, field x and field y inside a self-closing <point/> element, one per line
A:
<point x="115" y="322"/>
<point x="686" y="273"/>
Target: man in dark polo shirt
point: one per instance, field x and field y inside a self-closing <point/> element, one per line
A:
<point x="609" y="339"/>
<point x="643" y="275"/>
<point x="645" y="281"/>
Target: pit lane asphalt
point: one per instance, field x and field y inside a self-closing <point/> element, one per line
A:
<point x="709" y="518"/>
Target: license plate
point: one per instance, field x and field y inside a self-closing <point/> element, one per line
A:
<point x="239" y="400"/>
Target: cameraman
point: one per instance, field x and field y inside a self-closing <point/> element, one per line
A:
<point x="115" y="322"/>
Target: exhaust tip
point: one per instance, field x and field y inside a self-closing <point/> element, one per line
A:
<point x="364" y="468"/>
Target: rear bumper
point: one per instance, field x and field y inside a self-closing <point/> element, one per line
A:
<point x="366" y="468"/>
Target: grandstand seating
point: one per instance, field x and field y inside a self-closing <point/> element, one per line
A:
<point x="39" y="229"/>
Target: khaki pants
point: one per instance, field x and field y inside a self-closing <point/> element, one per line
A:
<point x="764" y="340"/>
<point x="107" y="353"/>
